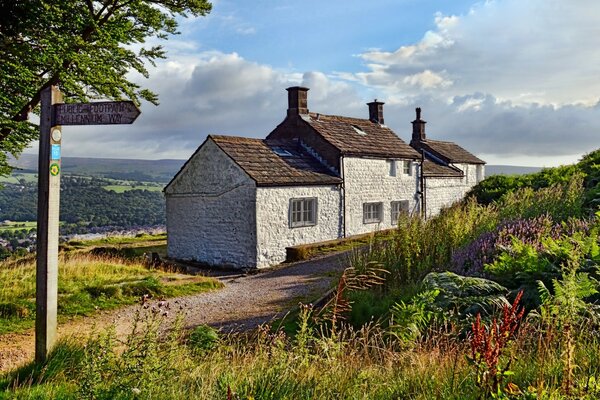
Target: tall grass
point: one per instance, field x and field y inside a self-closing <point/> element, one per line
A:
<point x="421" y="246"/>
<point x="353" y="364"/>
<point x="87" y="283"/>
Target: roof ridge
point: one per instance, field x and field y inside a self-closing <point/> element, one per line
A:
<point x="226" y="137"/>
<point x="339" y="117"/>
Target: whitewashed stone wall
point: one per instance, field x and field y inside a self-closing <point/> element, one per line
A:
<point x="443" y="192"/>
<point x="368" y="180"/>
<point x="211" y="211"/>
<point x="273" y="227"/>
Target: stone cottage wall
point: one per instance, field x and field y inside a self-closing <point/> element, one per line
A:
<point x="443" y="192"/>
<point x="273" y="231"/>
<point x="211" y="211"/>
<point x="369" y="180"/>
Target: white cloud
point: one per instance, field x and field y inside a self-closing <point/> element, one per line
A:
<point x="210" y="93"/>
<point x="542" y="51"/>
<point x="427" y="80"/>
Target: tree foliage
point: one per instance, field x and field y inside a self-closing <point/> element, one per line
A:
<point x="87" y="47"/>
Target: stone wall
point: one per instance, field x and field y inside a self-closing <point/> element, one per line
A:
<point x="211" y="211"/>
<point x="274" y="233"/>
<point x="369" y="180"/>
<point x="443" y="192"/>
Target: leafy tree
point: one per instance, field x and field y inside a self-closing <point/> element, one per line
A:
<point x="87" y="47"/>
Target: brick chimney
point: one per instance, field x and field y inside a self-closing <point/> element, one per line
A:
<point x="297" y="100"/>
<point x="376" y="111"/>
<point x="418" y="124"/>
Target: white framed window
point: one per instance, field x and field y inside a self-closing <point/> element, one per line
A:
<point x="372" y="213"/>
<point x="392" y="167"/>
<point x="407" y="167"/>
<point x="398" y="207"/>
<point x="303" y="212"/>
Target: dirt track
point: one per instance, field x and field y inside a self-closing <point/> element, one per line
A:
<point x="245" y="302"/>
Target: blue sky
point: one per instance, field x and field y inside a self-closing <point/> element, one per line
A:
<point x="513" y="81"/>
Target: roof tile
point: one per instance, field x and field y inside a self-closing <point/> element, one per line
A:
<point x="259" y="160"/>
<point x="379" y="141"/>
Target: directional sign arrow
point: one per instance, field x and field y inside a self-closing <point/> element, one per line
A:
<point x="99" y="113"/>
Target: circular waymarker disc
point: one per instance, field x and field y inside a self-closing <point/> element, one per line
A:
<point x="56" y="135"/>
<point x="54" y="169"/>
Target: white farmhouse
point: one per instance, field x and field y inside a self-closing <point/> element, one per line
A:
<point x="241" y="202"/>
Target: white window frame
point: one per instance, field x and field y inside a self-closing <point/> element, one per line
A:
<point x="372" y="213"/>
<point x="297" y="216"/>
<point x="407" y="167"/>
<point x="398" y="206"/>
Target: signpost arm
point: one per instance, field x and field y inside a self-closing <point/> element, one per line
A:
<point x="47" y="230"/>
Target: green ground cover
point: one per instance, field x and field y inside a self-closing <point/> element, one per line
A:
<point x="17" y="226"/>
<point x="125" y="188"/>
<point x="87" y="283"/>
<point x="16" y="177"/>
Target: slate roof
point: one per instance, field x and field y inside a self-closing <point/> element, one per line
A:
<point x="379" y="140"/>
<point x="259" y="160"/>
<point x="433" y="169"/>
<point x="448" y="152"/>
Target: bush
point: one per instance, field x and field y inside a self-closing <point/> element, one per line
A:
<point x="203" y="338"/>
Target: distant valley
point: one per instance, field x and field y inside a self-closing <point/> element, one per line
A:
<point x="163" y="170"/>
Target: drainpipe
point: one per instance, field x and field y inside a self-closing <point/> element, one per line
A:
<point x="423" y="186"/>
<point x="343" y="196"/>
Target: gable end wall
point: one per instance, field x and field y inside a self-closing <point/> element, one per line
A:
<point x="211" y="211"/>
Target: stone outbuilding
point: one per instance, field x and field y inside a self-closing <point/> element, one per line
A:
<point x="241" y="202"/>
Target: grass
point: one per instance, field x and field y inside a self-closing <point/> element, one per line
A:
<point x="17" y="226"/>
<point x="128" y="247"/>
<point x="88" y="283"/>
<point x="314" y="364"/>
<point x="306" y="251"/>
<point x="125" y="188"/>
<point x="15" y="177"/>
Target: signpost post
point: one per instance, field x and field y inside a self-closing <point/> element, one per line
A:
<point x="53" y="115"/>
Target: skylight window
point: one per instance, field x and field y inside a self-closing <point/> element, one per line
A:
<point x="282" y="152"/>
<point x="359" y="131"/>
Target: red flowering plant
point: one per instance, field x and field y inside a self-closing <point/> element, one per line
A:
<point x="488" y="344"/>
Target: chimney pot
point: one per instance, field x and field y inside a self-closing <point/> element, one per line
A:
<point x="418" y="124"/>
<point x="297" y="100"/>
<point x="376" y="111"/>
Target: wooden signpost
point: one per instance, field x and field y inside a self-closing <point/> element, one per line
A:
<point x="53" y="115"/>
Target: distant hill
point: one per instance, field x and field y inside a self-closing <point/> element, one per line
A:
<point x="164" y="170"/>
<point x="114" y="168"/>
<point x="509" y="170"/>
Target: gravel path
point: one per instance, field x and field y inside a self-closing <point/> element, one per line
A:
<point x="245" y="302"/>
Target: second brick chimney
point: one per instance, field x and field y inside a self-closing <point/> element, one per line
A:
<point x="418" y="124"/>
<point x="297" y="100"/>
<point x="376" y="111"/>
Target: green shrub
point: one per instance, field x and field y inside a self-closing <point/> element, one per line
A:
<point x="104" y="290"/>
<point x="203" y="338"/>
<point x="148" y="286"/>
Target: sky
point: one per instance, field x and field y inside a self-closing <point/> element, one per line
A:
<point x="515" y="82"/>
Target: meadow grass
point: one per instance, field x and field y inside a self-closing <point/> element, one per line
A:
<point x="17" y="226"/>
<point x="88" y="283"/>
<point x="314" y="364"/>
<point x="125" y="188"/>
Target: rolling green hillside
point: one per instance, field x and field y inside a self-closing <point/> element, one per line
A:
<point x="114" y="168"/>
